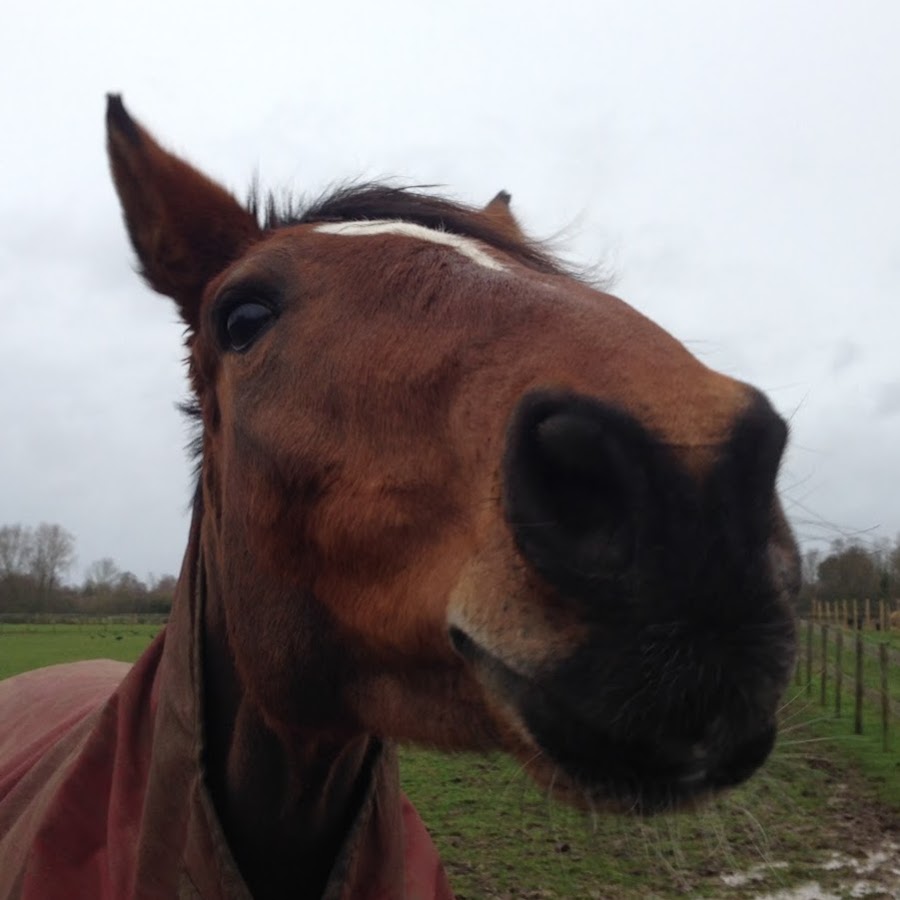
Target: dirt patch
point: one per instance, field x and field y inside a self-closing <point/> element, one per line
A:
<point x="854" y="844"/>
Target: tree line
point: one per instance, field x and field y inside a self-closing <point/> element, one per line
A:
<point x="34" y="563"/>
<point x="851" y="570"/>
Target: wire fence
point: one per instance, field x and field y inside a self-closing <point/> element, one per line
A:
<point x="850" y="659"/>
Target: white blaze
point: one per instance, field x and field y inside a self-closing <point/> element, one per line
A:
<point x="464" y="245"/>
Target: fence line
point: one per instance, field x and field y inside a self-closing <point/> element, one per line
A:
<point x="826" y="660"/>
<point x="881" y="616"/>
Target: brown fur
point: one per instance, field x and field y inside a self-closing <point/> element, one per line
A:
<point x="351" y="494"/>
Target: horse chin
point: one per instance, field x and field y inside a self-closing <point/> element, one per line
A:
<point x="622" y="779"/>
<point x="591" y="767"/>
<point x="620" y="797"/>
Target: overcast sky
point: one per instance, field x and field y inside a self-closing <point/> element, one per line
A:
<point x="738" y="164"/>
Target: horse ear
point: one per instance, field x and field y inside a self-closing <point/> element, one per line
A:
<point x="499" y="213"/>
<point x="185" y="228"/>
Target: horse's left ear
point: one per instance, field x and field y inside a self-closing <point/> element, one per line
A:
<point x="500" y="214"/>
<point x="185" y="228"/>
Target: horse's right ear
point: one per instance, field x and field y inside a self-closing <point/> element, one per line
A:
<point x="185" y="228"/>
<point x="500" y="214"/>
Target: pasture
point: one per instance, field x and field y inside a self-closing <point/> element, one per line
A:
<point x="24" y="647"/>
<point x="812" y="816"/>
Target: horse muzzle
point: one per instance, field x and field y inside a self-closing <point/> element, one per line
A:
<point x="627" y="739"/>
<point x="681" y="584"/>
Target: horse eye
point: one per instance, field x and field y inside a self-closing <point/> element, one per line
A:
<point x="245" y="323"/>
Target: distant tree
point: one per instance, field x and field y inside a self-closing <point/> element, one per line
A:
<point x="101" y="576"/>
<point x="165" y="585"/>
<point x="16" y="550"/>
<point x="160" y="594"/>
<point x="809" y="588"/>
<point x="98" y="594"/>
<point x="880" y="553"/>
<point x="34" y="562"/>
<point x="129" y="583"/>
<point x="16" y="588"/>
<point x="108" y="590"/>
<point x="850" y="571"/>
<point x="32" y="565"/>
<point x="54" y="553"/>
<point x="894" y="560"/>
<point x="893" y="568"/>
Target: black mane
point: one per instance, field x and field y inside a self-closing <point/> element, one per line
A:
<point x="378" y="201"/>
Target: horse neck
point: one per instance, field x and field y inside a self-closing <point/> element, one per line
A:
<point x="285" y="804"/>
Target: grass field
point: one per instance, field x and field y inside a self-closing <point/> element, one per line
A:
<point x="499" y="838"/>
<point x="24" y="647"/>
<point x="823" y="800"/>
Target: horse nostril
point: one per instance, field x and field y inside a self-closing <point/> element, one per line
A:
<point x="745" y="478"/>
<point x="585" y="477"/>
<point x="573" y="487"/>
<point x="573" y="443"/>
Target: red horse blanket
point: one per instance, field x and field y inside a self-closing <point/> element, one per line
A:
<point x="102" y="793"/>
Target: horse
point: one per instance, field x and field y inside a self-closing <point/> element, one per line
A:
<point x="448" y="494"/>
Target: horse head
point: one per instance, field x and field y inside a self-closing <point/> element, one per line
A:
<point x="450" y="494"/>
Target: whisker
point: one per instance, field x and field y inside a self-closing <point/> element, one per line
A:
<point x="794" y="742"/>
<point x="798" y="726"/>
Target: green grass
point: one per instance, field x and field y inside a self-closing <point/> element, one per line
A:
<point x="865" y="750"/>
<point x="501" y="839"/>
<point x="25" y="647"/>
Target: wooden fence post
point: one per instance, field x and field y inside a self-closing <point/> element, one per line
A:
<point x="882" y="616"/>
<point x="868" y="614"/>
<point x="860" y="688"/>
<point x="838" y="672"/>
<point x="885" y="697"/>
<point x="855" y="623"/>
<point x="824" y="669"/>
<point x="809" y="656"/>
